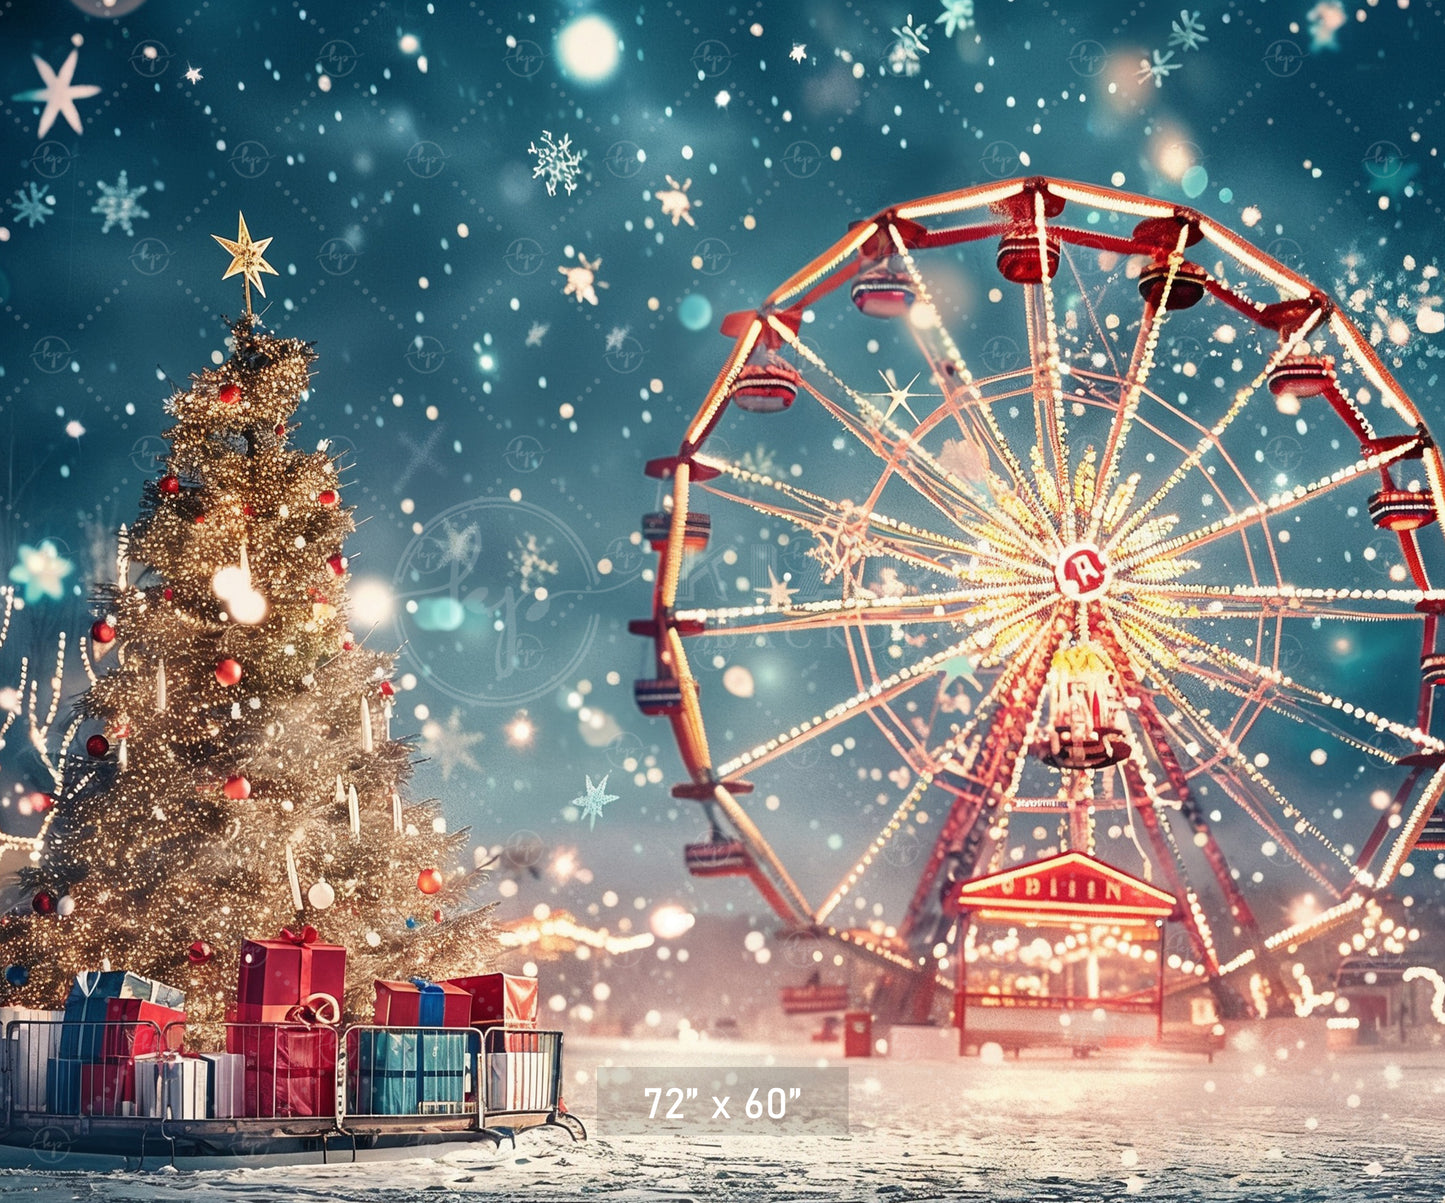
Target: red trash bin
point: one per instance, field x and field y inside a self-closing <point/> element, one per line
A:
<point x="858" y="1034"/>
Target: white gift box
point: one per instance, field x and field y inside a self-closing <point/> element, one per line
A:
<point x="519" y="1081"/>
<point x="37" y="1040"/>
<point x="171" y="1087"/>
<point x="227" y="1090"/>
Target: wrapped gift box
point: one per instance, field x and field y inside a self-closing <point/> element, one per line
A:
<point x="170" y="1086"/>
<point x="520" y="1081"/>
<point x="500" y="998"/>
<point x="225" y="1085"/>
<point x="410" y="1073"/>
<point x="107" y="1088"/>
<point x="37" y="1040"/>
<point x="296" y="970"/>
<point x="419" y="1003"/>
<point x="62" y="1086"/>
<point x="136" y="1029"/>
<point x="289" y="1070"/>
<point x="82" y="1038"/>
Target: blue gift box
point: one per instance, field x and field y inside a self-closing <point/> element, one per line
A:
<point x="82" y="1035"/>
<point x="62" y="1086"/>
<point x="411" y="1073"/>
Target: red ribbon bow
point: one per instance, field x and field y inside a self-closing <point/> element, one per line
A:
<point x="319" y="1010"/>
<point x="307" y="935"/>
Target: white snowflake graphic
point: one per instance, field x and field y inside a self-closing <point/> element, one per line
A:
<point x="956" y="15"/>
<point x="1188" y="31"/>
<point x="449" y="745"/>
<point x="592" y="802"/>
<point x="531" y="564"/>
<point x="616" y="337"/>
<point x="799" y="52"/>
<point x="903" y="55"/>
<point x="582" y="281"/>
<point x="676" y="203"/>
<point x="1157" y="70"/>
<point x="118" y="204"/>
<point x="34" y="207"/>
<point x="557" y="163"/>
<point x="537" y="333"/>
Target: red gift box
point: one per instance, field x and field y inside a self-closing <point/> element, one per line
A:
<point x="281" y="979"/>
<point x="500" y="998"/>
<point x="289" y="1070"/>
<point x="107" y="1088"/>
<point x="422" y="1004"/>
<point x="135" y="1028"/>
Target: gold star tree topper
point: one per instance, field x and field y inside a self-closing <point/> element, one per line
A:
<point x="246" y="259"/>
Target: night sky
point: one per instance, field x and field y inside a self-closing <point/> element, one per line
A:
<point x="497" y="421"/>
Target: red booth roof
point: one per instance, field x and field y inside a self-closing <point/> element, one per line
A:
<point x="1070" y="887"/>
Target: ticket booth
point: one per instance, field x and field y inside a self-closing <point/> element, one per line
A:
<point x="1066" y="950"/>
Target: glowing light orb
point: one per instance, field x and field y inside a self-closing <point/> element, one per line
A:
<point x="588" y="49"/>
<point x="738" y="681"/>
<point x="671" y="921"/>
<point x="372" y="602"/>
<point x="695" y="312"/>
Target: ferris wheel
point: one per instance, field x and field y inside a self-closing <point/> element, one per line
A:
<point x="1041" y="516"/>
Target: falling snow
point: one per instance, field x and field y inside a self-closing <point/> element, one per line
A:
<point x="557" y="163"/>
<point x="119" y="204"/>
<point x="33" y="206"/>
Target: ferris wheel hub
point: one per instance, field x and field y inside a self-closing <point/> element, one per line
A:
<point x="1082" y="572"/>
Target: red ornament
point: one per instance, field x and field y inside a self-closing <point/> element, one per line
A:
<point x="281" y="431"/>
<point x="168" y="593"/>
<point x="44" y="903"/>
<point x="200" y="518"/>
<point x="101" y="631"/>
<point x="170" y="484"/>
<point x="199" y="953"/>
<point x="237" y="788"/>
<point x="229" y="671"/>
<point x="39" y="803"/>
<point x="97" y="746"/>
<point x="337" y="563"/>
<point x="347" y="645"/>
<point x="436" y="916"/>
<point x="229" y="394"/>
<point x="429" y="881"/>
<point x="387" y="690"/>
<point x="327" y="497"/>
<point x="249" y="511"/>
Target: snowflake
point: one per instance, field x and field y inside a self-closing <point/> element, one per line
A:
<point x="592" y="802"/>
<point x="616" y="337"/>
<point x="582" y="281"/>
<point x="957" y="14"/>
<point x="723" y="99"/>
<point x="449" y="745"/>
<point x="537" y="333"/>
<point x="1158" y="69"/>
<point x="903" y="55"/>
<point x="118" y="204"/>
<point x="799" y="52"/>
<point x="42" y="570"/>
<point x="459" y="546"/>
<point x="556" y="163"/>
<point x="530" y="564"/>
<point x="1188" y="31"/>
<point x="676" y="203"/>
<point x="35" y="207"/>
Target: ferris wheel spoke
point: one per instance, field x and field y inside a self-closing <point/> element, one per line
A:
<point x="1156" y="551"/>
<point x="1048" y="382"/>
<point x="1279" y="602"/>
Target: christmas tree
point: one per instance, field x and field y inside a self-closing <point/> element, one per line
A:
<point x="238" y="772"/>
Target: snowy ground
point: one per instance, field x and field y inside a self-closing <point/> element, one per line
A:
<point x="1267" y="1120"/>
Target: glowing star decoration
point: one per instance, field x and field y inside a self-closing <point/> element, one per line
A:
<point x="1158" y="69"/>
<point x="193" y="74"/>
<point x="33" y="207"/>
<point x="246" y="259"/>
<point x="59" y="94"/>
<point x="119" y="204"/>
<point x="956" y="15"/>
<point x="899" y="395"/>
<point x="582" y="281"/>
<point x="557" y="163"/>
<point x="676" y="203"/>
<point x="449" y="745"/>
<point x="799" y="52"/>
<point x="778" y="592"/>
<point x="41" y="570"/>
<point x="590" y="804"/>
